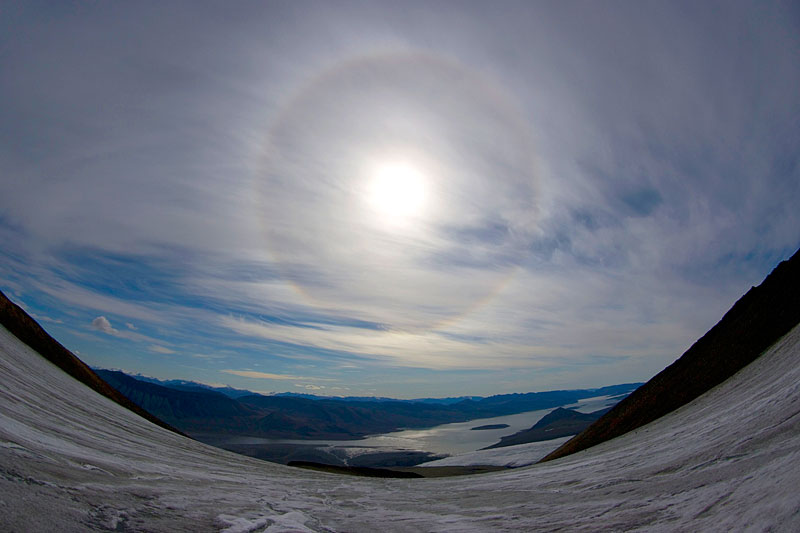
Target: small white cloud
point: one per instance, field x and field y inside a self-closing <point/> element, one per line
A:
<point x="160" y="349"/>
<point x="130" y="326"/>
<point x="101" y="323"/>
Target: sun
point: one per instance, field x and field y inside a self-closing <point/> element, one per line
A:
<point x="397" y="191"/>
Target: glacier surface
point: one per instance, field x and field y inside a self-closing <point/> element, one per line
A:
<point x="72" y="460"/>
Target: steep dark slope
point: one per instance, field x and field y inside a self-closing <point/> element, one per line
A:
<point x="753" y="324"/>
<point x="26" y="329"/>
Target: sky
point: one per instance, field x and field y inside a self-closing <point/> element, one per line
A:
<point x="403" y="199"/>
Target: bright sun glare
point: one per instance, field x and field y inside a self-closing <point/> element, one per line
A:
<point x="397" y="191"/>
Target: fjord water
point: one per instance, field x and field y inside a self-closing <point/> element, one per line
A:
<point x="450" y="439"/>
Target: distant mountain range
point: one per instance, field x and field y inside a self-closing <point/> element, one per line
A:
<point x="182" y="384"/>
<point x="443" y="401"/>
<point x="204" y="411"/>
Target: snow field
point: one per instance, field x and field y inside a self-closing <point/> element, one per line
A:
<point x="71" y="460"/>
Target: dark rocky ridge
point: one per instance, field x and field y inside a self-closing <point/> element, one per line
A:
<point x="26" y="329"/>
<point x="754" y="323"/>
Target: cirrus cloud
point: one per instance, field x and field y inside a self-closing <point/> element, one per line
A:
<point x="267" y="375"/>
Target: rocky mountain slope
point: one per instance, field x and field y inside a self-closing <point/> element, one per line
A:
<point x="18" y="322"/>
<point x="753" y="324"/>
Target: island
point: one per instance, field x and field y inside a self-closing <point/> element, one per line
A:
<point x="489" y="426"/>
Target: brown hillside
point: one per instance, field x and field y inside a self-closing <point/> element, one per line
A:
<point x="753" y="324"/>
<point x="26" y="329"/>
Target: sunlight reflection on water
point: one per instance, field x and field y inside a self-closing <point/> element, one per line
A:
<point x="448" y="439"/>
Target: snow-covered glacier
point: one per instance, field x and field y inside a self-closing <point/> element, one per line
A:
<point x="72" y="460"/>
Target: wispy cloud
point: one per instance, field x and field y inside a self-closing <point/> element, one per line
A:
<point x="160" y="349"/>
<point x="72" y="294"/>
<point x="47" y="318"/>
<point x="268" y="375"/>
<point x="591" y="206"/>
